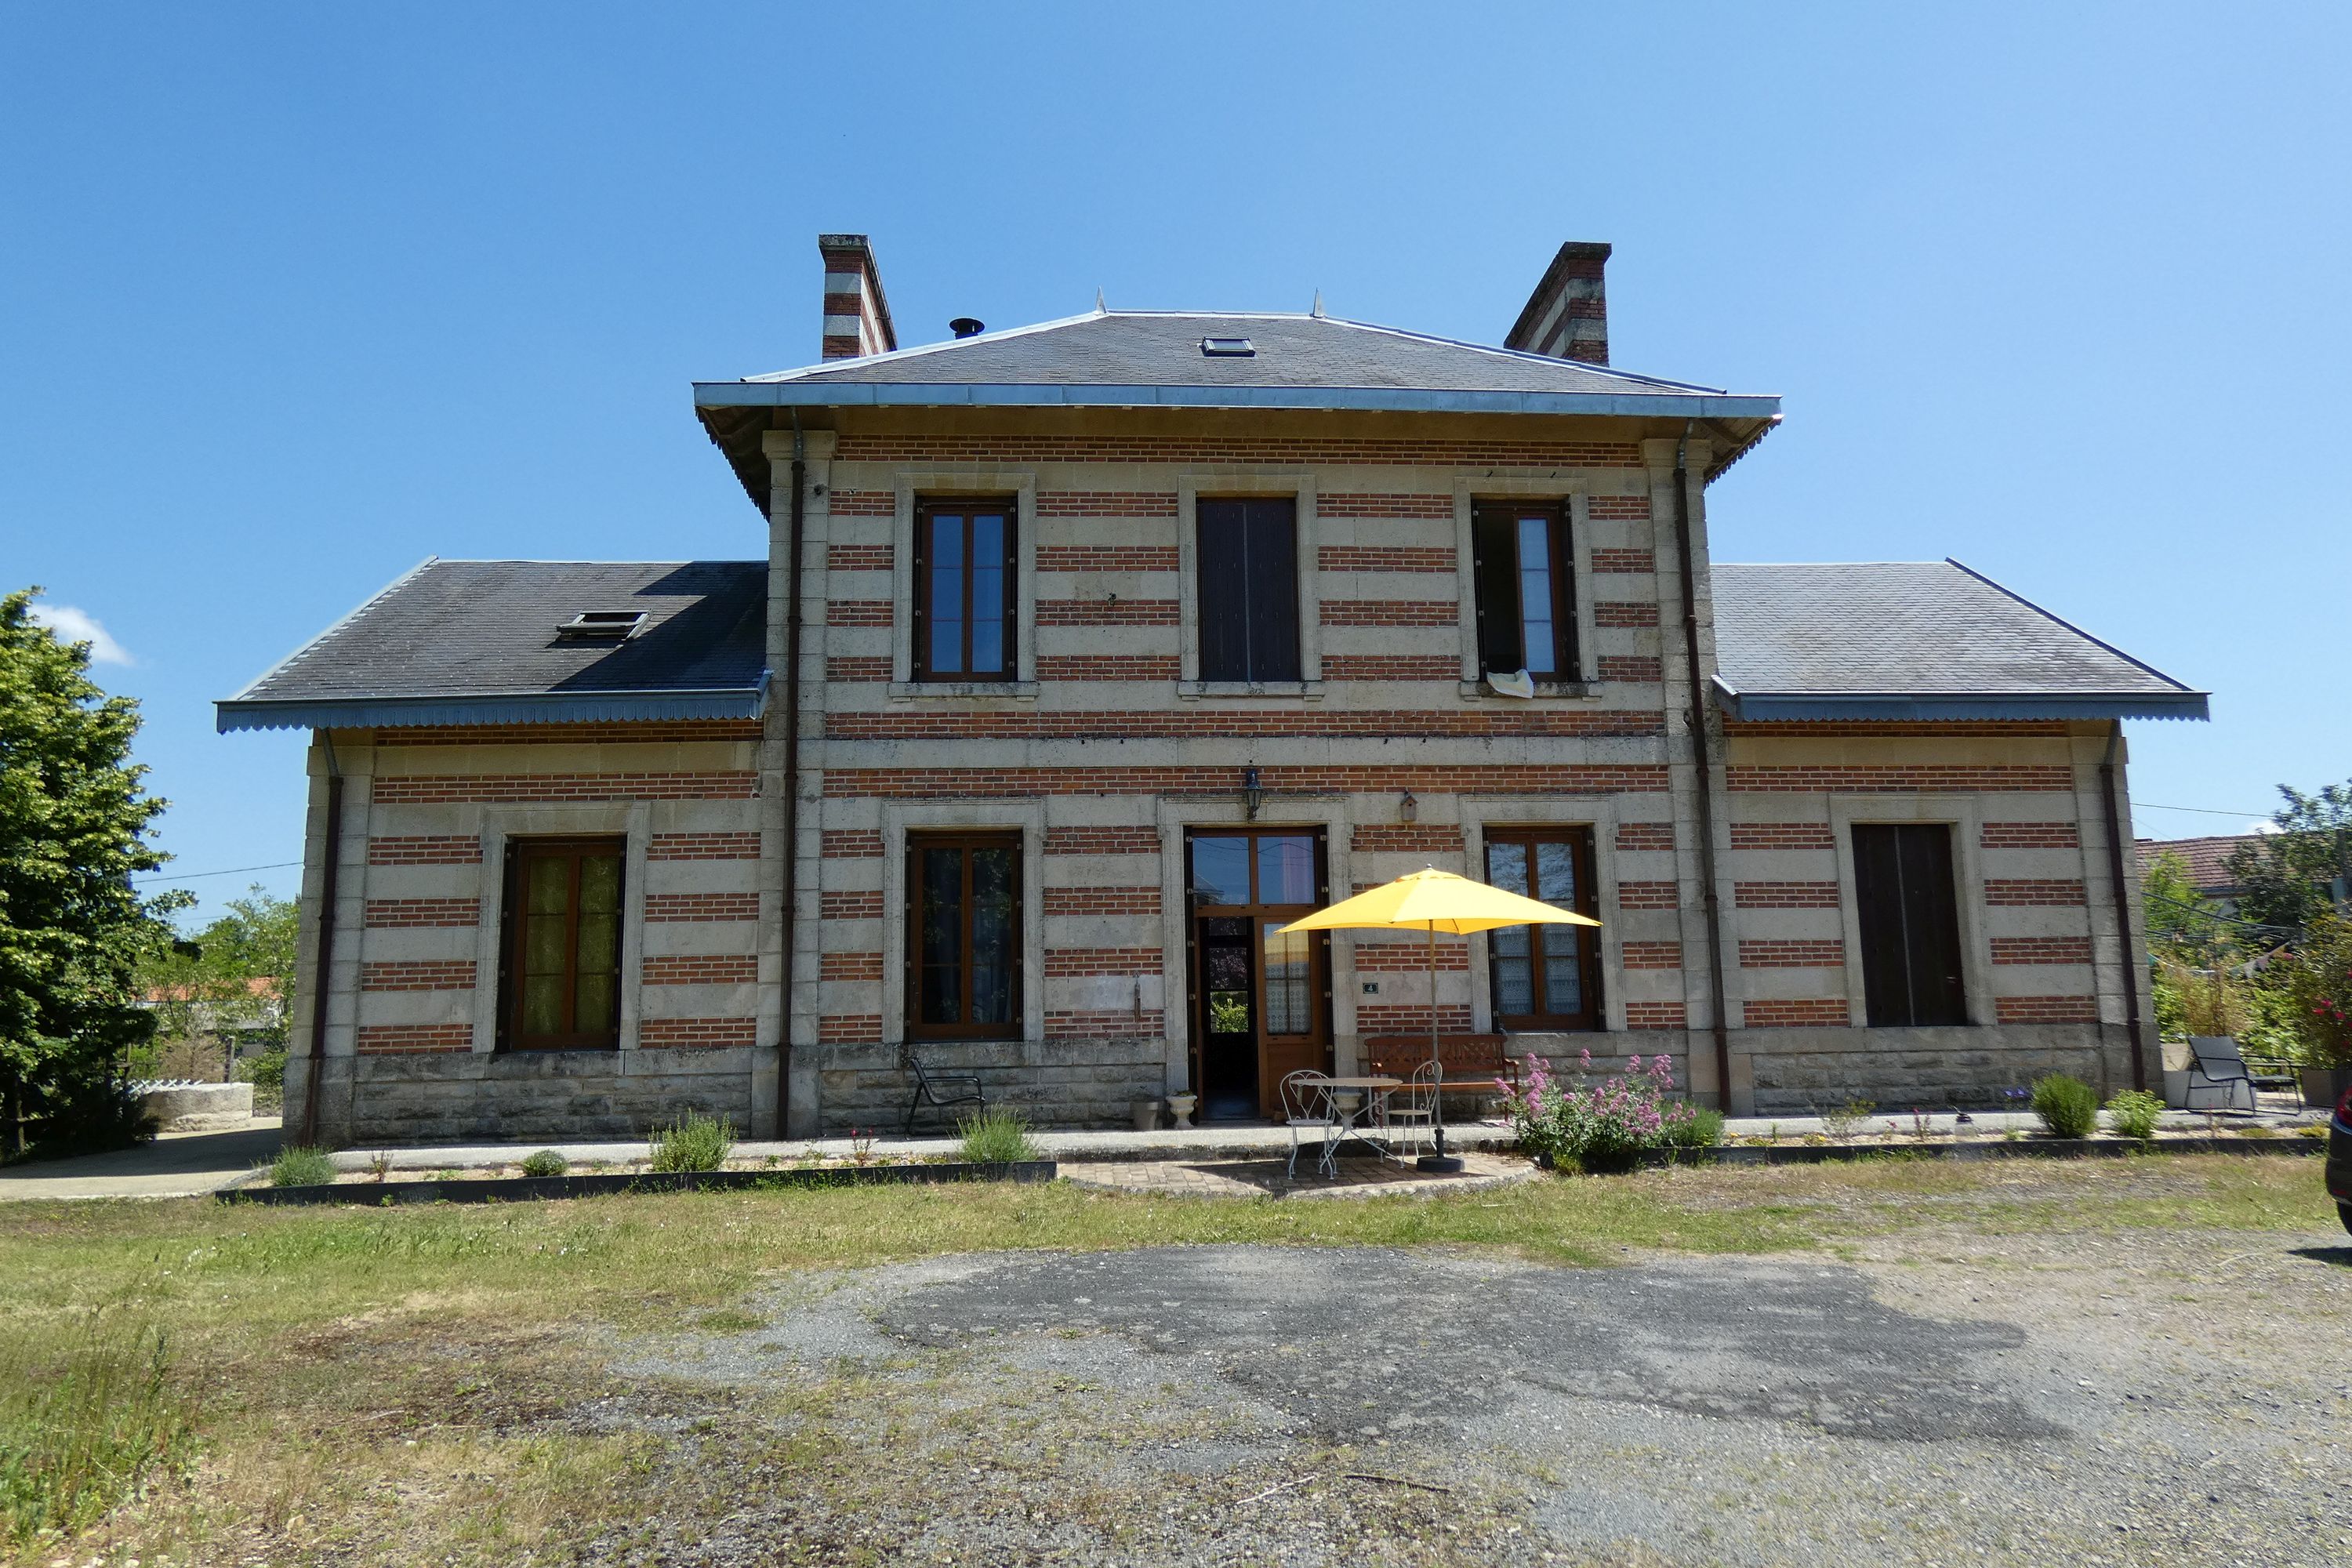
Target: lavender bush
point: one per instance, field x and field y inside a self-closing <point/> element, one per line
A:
<point x="1603" y="1122"/>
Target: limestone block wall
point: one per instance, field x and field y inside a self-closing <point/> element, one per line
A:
<point x="411" y="1039"/>
<point x="2040" y="941"/>
<point x="1107" y="746"/>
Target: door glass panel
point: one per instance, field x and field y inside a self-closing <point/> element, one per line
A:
<point x="1535" y="594"/>
<point x="1556" y="874"/>
<point x="1288" y="980"/>
<point x="1506" y="868"/>
<point x="987" y="595"/>
<point x="1286" y="870"/>
<point x="947" y="595"/>
<point x="1563" y="976"/>
<point x="1225" y="976"/>
<point x="941" y="983"/>
<point x="1221" y="870"/>
<point x="992" y="935"/>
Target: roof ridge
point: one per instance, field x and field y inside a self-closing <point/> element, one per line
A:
<point x="304" y="650"/>
<point x="2089" y="636"/>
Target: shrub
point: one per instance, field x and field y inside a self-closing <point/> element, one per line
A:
<point x="2068" y="1107"/>
<point x="1703" y="1129"/>
<point x="1604" y="1123"/>
<point x="2319" y="987"/>
<point x="2133" y="1114"/>
<point x="544" y="1163"/>
<point x="1842" y="1122"/>
<point x="79" y="1433"/>
<point x="302" y="1167"/>
<point x="997" y="1137"/>
<point x="693" y="1143"/>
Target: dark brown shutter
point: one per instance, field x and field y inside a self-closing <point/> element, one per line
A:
<point x="1906" y="905"/>
<point x="1224" y="590"/>
<point x="1494" y="566"/>
<point x="1273" y="586"/>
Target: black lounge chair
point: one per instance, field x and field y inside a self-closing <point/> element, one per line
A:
<point x="941" y="1091"/>
<point x="2218" y="1068"/>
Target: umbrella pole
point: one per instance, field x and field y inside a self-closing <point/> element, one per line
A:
<point x="1440" y="1160"/>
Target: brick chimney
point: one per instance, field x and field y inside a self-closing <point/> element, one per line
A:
<point x="857" y="316"/>
<point x="1568" y="315"/>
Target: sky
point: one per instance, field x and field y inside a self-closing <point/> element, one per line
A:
<point x="292" y="296"/>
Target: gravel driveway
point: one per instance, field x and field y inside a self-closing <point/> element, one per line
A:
<point x="1936" y="1397"/>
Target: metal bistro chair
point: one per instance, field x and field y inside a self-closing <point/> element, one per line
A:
<point x="942" y="1091"/>
<point x="1407" y="1114"/>
<point x="2218" y="1068"/>
<point x="1306" y="1105"/>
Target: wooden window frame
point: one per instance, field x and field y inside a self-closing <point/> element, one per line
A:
<point x="1911" y="944"/>
<point x="925" y="509"/>
<point x="1252" y="672"/>
<point x="1595" y="1016"/>
<point x="967" y="841"/>
<point x="1485" y="513"/>
<point x="514" y="916"/>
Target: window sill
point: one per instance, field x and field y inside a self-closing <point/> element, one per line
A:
<point x="1555" y="690"/>
<point x="1191" y="691"/>
<point x="909" y="691"/>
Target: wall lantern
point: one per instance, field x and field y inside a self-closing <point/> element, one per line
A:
<point x="1253" y="792"/>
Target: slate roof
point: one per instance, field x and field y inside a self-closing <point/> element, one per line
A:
<point x="1916" y="639"/>
<point x="1126" y="357"/>
<point x="474" y="642"/>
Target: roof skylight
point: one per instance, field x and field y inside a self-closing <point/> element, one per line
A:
<point x="1228" y="348"/>
<point x="602" y="626"/>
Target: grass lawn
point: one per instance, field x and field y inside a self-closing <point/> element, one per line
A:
<point x="398" y="1384"/>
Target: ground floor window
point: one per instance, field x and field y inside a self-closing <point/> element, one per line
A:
<point x="963" y="950"/>
<point x="1910" y="918"/>
<point x="1544" y="977"/>
<point x="561" y="980"/>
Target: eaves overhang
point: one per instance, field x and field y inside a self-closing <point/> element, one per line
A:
<point x="1408" y="400"/>
<point x="1931" y="707"/>
<point x="412" y="711"/>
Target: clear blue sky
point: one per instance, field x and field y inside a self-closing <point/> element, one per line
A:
<point x="293" y="296"/>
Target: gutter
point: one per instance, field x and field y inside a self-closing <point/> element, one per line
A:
<point x="1929" y="706"/>
<point x="492" y="708"/>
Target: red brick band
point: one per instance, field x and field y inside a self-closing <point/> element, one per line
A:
<point x="413" y="1040"/>
<point x="2042" y="950"/>
<point x="383" y="914"/>
<point x="452" y="788"/>
<point x="1102" y="961"/>
<point x="1783" y="836"/>
<point x="2045" y="1010"/>
<point x="1914" y="778"/>
<point x="1102" y="902"/>
<point x="1102" y="841"/>
<point x="1651" y="954"/>
<point x="1385" y="558"/>
<point x="2022" y="892"/>
<point x="1469" y="778"/>
<point x="2030" y="836"/>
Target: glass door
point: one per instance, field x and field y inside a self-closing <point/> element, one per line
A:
<point x="1261" y="998"/>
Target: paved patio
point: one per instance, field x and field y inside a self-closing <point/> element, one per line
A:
<point x="176" y="1165"/>
<point x="1351" y="1178"/>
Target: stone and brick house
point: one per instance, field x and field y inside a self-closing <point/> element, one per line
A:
<point x="1079" y="657"/>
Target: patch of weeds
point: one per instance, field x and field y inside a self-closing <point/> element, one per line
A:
<point x="84" y="1430"/>
<point x="1842" y="1122"/>
<point x="544" y="1163"/>
<point x="2312" y="1130"/>
<point x="2257" y="1130"/>
<point x="2068" y="1107"/>
<point x="302" y="1167"/>
<point x="2133" y="1114"/>
<point x="1703" y="1129"/>
<point x="996" y="1137"/>
<point x="693" y="1143"/>
<point x="729" y="1320"/>
<point x="379" y="1165"/>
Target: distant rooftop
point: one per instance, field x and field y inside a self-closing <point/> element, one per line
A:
<point x="1916" y="639"/>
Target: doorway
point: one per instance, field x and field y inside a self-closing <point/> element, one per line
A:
<point x="1261" y="999"/>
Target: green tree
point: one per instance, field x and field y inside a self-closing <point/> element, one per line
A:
<point x="2296" y="875"/>
<point x="73" y="930"/>
<point x="223" y="980"/>
<point x="2180" y="922"/>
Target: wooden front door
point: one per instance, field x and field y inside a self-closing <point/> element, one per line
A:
<point x="1261" y="1000"/>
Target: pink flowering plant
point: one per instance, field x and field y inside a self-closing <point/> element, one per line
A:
<point x="1606" y="1118"/>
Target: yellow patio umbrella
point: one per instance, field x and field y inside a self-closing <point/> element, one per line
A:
<point x="1435" y="900"/>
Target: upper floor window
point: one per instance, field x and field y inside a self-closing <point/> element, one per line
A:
<point x="1544" y="976"/>
<point x="964" y="590"/>
<point x="562" y="976"/>
<point x="1906" y="905"/>
<point x="1527" y="590"/>
<point x="1249" y="588"/>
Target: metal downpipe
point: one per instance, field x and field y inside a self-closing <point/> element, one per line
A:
<point x="323" y="968"/>
<point x="791" y="778"/>
<point x="2108" y="795"/>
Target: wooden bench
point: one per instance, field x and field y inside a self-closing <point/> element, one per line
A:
<point x="1473" y="1061"/>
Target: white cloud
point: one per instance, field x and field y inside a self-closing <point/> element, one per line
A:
<point x="2265" y="826"/>
<point x="76" y="624"/>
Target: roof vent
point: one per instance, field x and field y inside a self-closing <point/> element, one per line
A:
<point x="967" y="326"/>
<point x="602" y="626"/>
<point x="1228" y="348"/>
